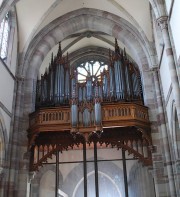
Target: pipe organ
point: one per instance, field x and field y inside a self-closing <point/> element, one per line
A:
<point x="86" y="87"/>
<point x="95" y="102"/>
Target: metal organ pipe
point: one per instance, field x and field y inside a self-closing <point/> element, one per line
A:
<point x="89" y="88"/>
<point x="74" y="107"/>
<point x="111" y="77"/>
<point x="67" y="85"/>
<point x="97" y="112"/>
<point x="59" y="84"/>
<point x="97" y="106"/>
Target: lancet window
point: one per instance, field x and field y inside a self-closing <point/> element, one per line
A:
<point x="4" y="35"/>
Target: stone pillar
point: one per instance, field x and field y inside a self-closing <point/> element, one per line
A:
<point x="18" y="167"/>
<point x="162" y="21"/>
<point x="164" y="138"/>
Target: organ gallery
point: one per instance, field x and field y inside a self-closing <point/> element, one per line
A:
<point x="88" y="106"/>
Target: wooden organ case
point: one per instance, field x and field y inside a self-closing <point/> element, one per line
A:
<point x="79" y="105"/>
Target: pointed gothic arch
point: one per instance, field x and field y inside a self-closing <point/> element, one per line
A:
<point x="85" y="19"/>
<point x="35" y="188"/>
<point x="175" y="132"/>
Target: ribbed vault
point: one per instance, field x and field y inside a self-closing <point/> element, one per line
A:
<point x="157" y="6"/>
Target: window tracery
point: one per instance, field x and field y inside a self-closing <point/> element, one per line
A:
<point x="91" y="68"/>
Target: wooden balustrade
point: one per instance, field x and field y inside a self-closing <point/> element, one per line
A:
<point x="124" y="111"/>
<point x="125" y="125"/>
<point x="125" y="114"/>
<point x="116" y="114"/>
<point x="50" y="119"/>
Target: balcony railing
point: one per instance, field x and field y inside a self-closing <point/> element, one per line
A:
<point x="124" y="125"/>
<point x="116" y="114"/>
<point x="125" y="114"/>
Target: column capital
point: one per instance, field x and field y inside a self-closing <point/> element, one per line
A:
<point x="154" y="69"/>
<point x="163" y="22"/>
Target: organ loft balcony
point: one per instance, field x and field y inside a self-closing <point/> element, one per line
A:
<point x="57" y="119"/>
<point x="95" y="101"/>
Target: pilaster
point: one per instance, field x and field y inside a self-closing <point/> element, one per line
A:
<point x="163" y="23"/>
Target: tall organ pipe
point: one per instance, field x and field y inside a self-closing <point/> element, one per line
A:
<point x="74" y="106"/>
<point x="97" y="107"/>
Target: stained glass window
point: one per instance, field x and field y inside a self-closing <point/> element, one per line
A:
<point x="4" y="35"/>
<point x="90" y="68"/>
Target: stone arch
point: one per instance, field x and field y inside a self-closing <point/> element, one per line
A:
<point x="82" y="54"/>
<point x="86" y="18"/>
<point x="101" y="174"/>
<point x="38" y="176"/>
<point x="107" y="168"/>
<point x="88" y="53"/>
<point x="175" y="131"/>
<point x="91" y="19"/>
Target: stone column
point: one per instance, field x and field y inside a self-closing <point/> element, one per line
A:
<point x="164" y="137"/>
<point x="17" y="172"/>
<point x="162" y="21"/>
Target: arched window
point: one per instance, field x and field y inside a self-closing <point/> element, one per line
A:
<point x="4" y="36"/>
<point x="91" y="68"/>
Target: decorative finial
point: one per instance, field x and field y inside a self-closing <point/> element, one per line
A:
<point x="116" y="47"/>
<point x="46" y="72"/>
<point x="52" y="59"/>
<point x="67" y="57"/>
<point x="125" y="56"/>
<point x="59" y="54"/>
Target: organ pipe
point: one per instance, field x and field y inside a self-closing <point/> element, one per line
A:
<point x="74" y="107"/>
